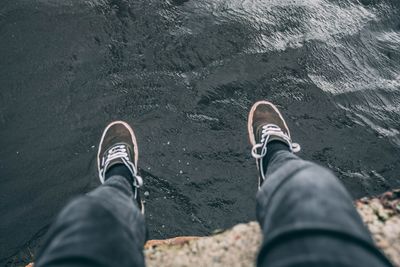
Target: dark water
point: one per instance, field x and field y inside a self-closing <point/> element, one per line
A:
<point x="185" y="73"/>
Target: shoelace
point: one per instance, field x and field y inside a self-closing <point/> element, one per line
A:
<point x="269" y="130"/>
<point x="120" y="151"/>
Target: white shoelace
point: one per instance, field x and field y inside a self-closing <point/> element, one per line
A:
<point x="120" y="151"/>
<point x="269" y="130"/>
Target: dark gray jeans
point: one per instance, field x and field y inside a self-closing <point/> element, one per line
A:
<point x="102" y="228"/>
<point x="307" y="218"/>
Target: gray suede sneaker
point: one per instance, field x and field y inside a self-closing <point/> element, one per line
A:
<point x="266" y="124"/>
<point x="118" y="146"/>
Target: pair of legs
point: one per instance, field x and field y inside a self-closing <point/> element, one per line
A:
<point x="306" y="215"/>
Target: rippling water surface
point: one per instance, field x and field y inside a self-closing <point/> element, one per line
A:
<point x="185" y="73"/>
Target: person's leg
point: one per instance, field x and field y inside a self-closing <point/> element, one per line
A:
<point x="106" y="226"/>
<point x="308" y="219"/>
<point x="306" y="215"/>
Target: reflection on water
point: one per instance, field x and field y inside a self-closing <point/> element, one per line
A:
<point x="351" y="47"/>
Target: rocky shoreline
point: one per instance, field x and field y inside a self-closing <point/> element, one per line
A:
<point x="239" y="245"/>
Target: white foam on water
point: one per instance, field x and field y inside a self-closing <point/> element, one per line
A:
<point x="307" y="20"/>
<point x="363" y="176"/>
<point x="202" y="118"/>
<point x="283" y="24"/>
<point x="360" y="66"/>
<point x="367" y="82"/>
<point x="379" y="112"/>
<point x="390" y="38"/>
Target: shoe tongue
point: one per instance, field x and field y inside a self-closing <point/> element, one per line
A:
<point x="124" y="145"/>
<point x="272" y="137"/>
<point x="116" y="160"/>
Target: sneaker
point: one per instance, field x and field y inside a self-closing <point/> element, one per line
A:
<point x="266" y="124"/>
<point x="118" y="146"/>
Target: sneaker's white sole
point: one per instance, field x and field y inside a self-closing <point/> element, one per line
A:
<point x="250" y="129"/>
